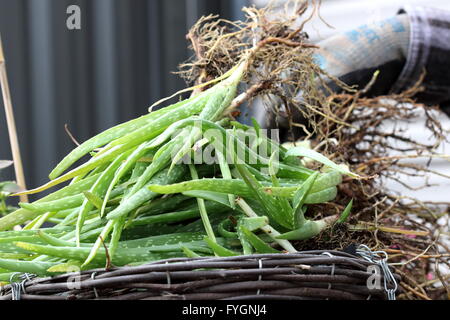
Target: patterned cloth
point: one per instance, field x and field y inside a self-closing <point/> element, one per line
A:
<point x="402" y="48"/>
<point x="429" y="51"/>
<point x="355" y="55"/>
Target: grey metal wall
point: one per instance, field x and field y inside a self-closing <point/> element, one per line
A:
<point x="108" y="72"/>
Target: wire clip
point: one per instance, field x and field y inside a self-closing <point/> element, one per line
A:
<point x="380" y="258"/>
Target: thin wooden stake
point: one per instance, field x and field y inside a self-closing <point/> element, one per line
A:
<point x="12" y="131"/>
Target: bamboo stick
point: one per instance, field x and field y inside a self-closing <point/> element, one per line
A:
<point x="12" y="131"/>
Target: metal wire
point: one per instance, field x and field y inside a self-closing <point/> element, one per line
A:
<point x="95" y="289"/>
<point x="169" y="282"/>
<point x="380" y="258"/>
<point x="17" y="288"/>
<point x="260" y="276"/>
<point x="332" y="267"/>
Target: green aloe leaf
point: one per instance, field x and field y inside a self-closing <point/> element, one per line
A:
<point x="309" y="153"/>
<point x="259" y="245"/>
<point x="346" y="213"/>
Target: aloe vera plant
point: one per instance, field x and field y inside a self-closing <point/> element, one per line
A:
<point x="142" y="197"/>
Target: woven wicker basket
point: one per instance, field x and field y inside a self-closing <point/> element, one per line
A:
<point x="299" y="276"/>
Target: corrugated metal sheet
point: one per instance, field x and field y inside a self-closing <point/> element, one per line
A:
<point x="108" y="72"/>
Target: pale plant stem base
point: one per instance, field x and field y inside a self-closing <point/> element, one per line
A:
<point x="267" y="229"/>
